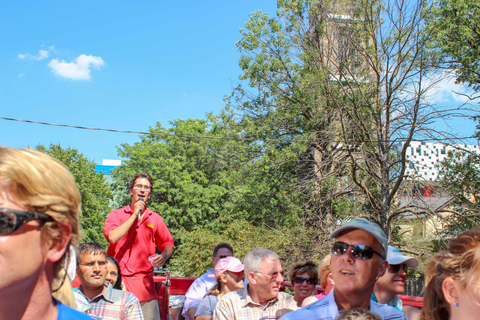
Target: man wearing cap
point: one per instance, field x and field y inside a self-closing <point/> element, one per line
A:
<point x="358" y="260"/>
<point x="393" y="282"/>
<point x="229" y="276"/>
<point x="262" y="296"/>
<point x="205" y="282"/>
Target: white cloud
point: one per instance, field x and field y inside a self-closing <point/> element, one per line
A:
<point x="42" y="54"/>
<point x="78" y="69"/>
<point x="447" y="90"/>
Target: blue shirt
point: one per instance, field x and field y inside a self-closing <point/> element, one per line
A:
<point x="67" y="313"/>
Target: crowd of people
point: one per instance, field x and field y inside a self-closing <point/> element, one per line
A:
<point x="361" y="278"/>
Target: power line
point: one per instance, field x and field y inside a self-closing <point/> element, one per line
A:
<point x="218" y="138"/>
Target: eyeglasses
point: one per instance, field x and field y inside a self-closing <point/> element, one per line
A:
<point x="301" y="280"/>
<point x="273" y="275"/>
<point x="359" y="251"/>
<point x="11" y="220"/>
<point x="394" y="268"/>
<point x="223" y="256"/>
<point x="91" y="264"/>
<point x="139" y="186"/>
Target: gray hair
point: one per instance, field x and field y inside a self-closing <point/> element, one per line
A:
<point x="253" y="259"/>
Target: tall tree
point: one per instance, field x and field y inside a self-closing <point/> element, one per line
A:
<point x="95" y="191"/>
<point x="342" y="84"/>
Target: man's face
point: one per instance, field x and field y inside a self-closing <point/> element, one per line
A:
<point x="221" y="253"/>
<point x="392" y="282"/>
<point x="141" y="189"/>
<point x="92" y="270"/>
<point x="354" y="275"/>
<point x="22" y="258"/>
<point x="267" y="281"/>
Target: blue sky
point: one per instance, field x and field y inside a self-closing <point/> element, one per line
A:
<point x="114" y="64"/>
<point x="120" y="65"/>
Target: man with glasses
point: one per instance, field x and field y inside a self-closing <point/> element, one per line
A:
<point x="39" y="211"/>
<point x="393" y="282"/>
<point x="205" y="282"/>
<point x="358" y="260"/>
<point x="262" y="296"/>
<point x="93" y="297"/>
<point x="134" y="232"/>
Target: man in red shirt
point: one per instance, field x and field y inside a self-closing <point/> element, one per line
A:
<point x="133" y="232"/>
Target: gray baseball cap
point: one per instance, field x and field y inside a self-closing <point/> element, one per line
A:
<point x="361" y="223"/>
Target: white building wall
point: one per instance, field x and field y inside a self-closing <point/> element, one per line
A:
<point x="424" y="158"/>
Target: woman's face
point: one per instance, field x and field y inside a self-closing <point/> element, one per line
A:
<point x="465" y="304"/>
<point x="234" y="280"/>
<point x="303" y="290"/>
<point x="112" y="272"/>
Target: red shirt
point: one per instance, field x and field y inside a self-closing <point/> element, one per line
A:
<point x="133" y="256"/>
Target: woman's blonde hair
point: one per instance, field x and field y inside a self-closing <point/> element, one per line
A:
<point x="43" y="184"/>
<point x="461" y="262"/>
<point x="324" y="270"/>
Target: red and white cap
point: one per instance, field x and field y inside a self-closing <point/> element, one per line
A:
<point x="231" y="264"/>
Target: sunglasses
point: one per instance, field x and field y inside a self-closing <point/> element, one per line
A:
<point x="394" y="268"/>
<point x="358" y="251"/>
<point x="223" y="256"/>
<point x="11" y="220"/>
<point x="300" y="280"/>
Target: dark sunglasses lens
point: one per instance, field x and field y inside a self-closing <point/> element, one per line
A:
<point x="394" y="268"/>
<point x="7" y="222"/>
<point x="362" y="252"/>
<point x="222" y="256"/>
<point x="300" y="280"/>
<point x="339" y="248"/>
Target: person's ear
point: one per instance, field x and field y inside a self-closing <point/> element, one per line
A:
<point x="382" y="269"/>
<point x="223" y="278"/>
<point x="56" y="248"/>
<point x="450" y="291"/>
<point x="330" y="279"/>
<point x="251" y="278"/>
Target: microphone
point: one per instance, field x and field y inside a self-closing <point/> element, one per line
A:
<point x="140" y="211"/>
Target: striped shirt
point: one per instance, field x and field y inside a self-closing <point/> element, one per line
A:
<point x="326" y="309"/>
<point x="111" y="304"/>
<point x="239" y="305"/>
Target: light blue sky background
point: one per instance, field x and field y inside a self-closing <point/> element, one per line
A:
<point x="120" y="65"/>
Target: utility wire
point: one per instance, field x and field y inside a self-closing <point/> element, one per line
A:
<point x="219" y="138"/>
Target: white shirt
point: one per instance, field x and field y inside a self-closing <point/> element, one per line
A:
<point x="326" y="308"/>
<point x="197" y="291"/>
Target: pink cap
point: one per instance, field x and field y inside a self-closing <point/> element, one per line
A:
<point x="231" y="264"/>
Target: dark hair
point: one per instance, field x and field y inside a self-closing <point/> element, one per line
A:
<point x="460" y="261"/>
<point x="220" y="246"/>
<point x="88" y="248"/>
<point x="141" y="175"/>
<point x="304" y="267"/>
<point x="118" y="284"/>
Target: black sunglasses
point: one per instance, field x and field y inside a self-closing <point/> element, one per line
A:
<point x="11" y="220"/>
<point x="300" y="280"/>
<point x="359" y="251"/>
<point x="394" y="268"/>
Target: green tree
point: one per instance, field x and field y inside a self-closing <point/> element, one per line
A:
<point x="95" y="191"/>
<point x="199" y="180"/>
<point x="456" y="28"/>
<point x="341" y="84"/>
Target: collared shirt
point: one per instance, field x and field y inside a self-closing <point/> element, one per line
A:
<point x="239" y="305"/>
<point x="198" y="289"/>
<point x="396" y="302"/>
<point x="326" y="309"/>
<point x="134" y="248"/>
<point x="111" y="304"/>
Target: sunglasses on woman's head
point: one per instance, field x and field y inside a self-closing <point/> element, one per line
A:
<point x="11" y="220"/>
<point x="358" y="251"/>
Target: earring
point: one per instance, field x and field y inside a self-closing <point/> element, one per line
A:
<point x="456" y="304"/>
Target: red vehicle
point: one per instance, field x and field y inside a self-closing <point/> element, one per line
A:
<point x="167" y="286"/>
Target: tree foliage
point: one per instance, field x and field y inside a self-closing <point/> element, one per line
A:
<point x="95" y="191"/>
<point x="198" y="180"/>
<point x="456" y="28"/>
<point x="341" y="84"/>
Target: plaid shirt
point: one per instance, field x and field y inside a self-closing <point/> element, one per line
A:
<point x="239" y="305"/>
<point x="110" y="304"/>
